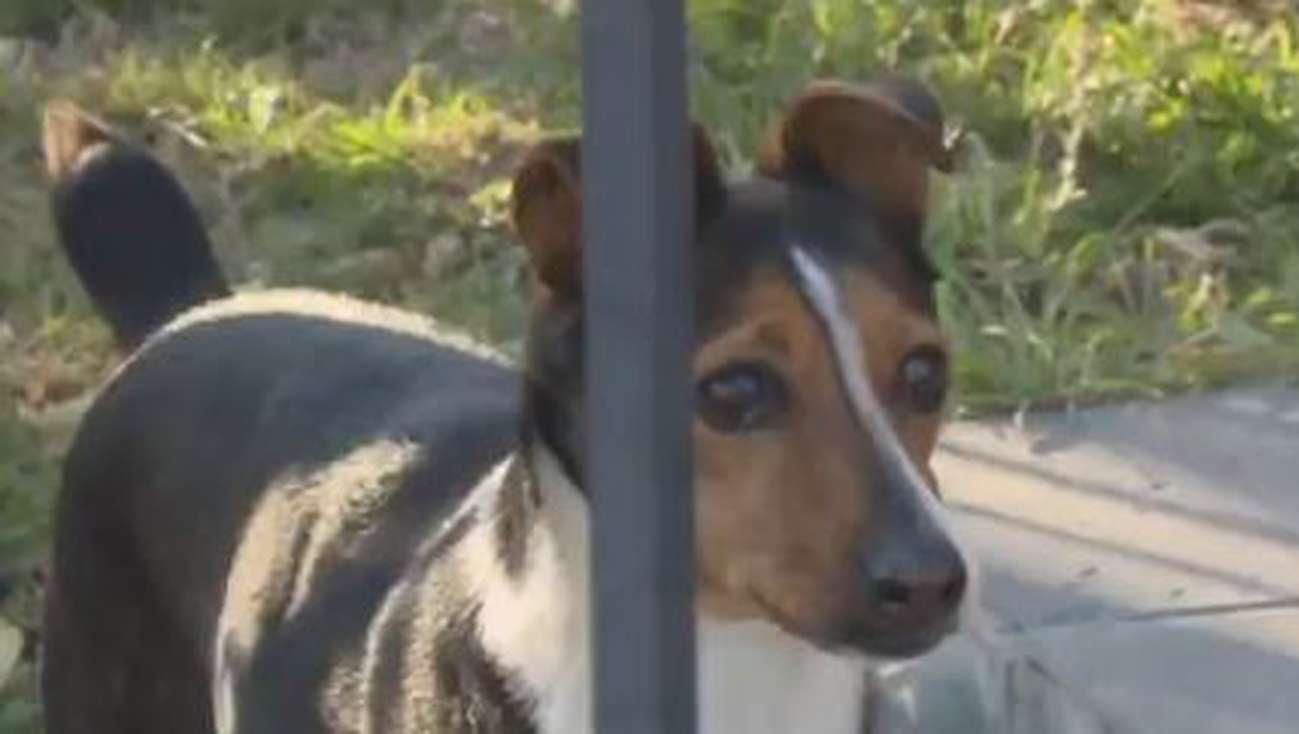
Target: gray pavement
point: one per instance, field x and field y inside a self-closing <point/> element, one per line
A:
<point x="1140" y="570"/>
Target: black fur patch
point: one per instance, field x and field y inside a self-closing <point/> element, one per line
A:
<point x="553" y="399"/>
<point x="135" y="241"/>
<point x="385" y="679"/>
<point x="473" y="695"/>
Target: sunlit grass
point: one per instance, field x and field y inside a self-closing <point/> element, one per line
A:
<point x="1127" y="219"/>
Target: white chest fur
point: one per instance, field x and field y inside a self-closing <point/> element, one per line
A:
<point x="753" y="678"/>
<point x="756" y="679"/>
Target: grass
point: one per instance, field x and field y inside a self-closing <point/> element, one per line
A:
<point x="1125" y="221"/>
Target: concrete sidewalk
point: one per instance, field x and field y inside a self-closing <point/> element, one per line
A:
<point x="1140" y="569"/>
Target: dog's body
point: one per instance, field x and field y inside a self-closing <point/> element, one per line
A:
<point x="287" y="378"/>
<point x="290" y="512"/>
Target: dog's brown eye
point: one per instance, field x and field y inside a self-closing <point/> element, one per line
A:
<point x="741" y="397"/>
<point x="924" y="375"/>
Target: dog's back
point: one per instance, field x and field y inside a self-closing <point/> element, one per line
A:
<point x="261" y="472"/>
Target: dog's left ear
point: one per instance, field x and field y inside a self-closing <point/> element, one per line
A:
<point x="878" y="139"/>
<point x="547" y="207"/>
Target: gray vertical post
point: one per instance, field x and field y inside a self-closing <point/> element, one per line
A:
<point x="638" y="228"/>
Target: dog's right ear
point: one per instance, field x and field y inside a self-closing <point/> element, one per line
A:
<point x="878" y="139"/>
<point x="547" y="207"/>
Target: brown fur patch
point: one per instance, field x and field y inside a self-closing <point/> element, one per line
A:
<point x="879" y="139"/>
<point x="71" y="135"/>
<point x="781" y="513"/>
<point x="547" y="210"/>
<point x="899" y="329"/>
<point x="547" y="206"/>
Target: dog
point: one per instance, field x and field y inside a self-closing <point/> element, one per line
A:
<point x="289" y="511"/>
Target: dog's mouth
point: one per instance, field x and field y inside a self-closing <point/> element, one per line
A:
<point x="858" y="639"/>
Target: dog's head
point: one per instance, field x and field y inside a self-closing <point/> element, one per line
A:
<point x="820" y="370"/>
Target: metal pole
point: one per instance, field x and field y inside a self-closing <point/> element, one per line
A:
<point x="637" y="231"/>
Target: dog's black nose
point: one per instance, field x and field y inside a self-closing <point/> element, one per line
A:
<point x="914" y="586"/>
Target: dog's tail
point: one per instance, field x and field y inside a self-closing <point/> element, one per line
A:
<point x="127" y="227"/>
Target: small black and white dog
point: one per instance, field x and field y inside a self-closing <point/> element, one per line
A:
<point x="295" y="512"/>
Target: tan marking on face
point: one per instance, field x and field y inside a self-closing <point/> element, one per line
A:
<point x="782" y="512"/>
<point x="891" y="330"/>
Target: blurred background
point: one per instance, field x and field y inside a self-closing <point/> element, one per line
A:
<point x="1124" y="222"/>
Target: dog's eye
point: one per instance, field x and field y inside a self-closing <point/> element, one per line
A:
<point x="741" y="397"/>
<point x="924" y="376"/>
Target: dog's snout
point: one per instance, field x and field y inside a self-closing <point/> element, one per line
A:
<point x="914" y="585"/>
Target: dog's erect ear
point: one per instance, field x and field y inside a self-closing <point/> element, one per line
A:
<point x="547" y="206"/>
<point x="547" y="212"/>
<point x="878" y="139"/>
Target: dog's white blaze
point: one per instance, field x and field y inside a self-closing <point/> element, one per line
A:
<point x="850" y="356"/>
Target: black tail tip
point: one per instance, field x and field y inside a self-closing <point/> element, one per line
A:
<point x="127" y="226"/>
